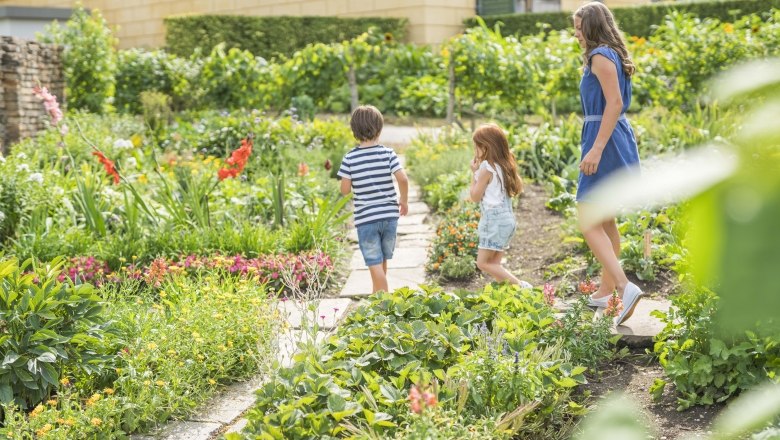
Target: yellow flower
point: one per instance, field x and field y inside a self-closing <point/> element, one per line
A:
<point x="147" y="382"/>
<point x="96" y="421"/>
<point x="51" y="402"/>
<point x="108" y="391"/>
<point x="171" y="352"/>
<point x="44" y="429"/>
<point x="728" y="28"/>
<point x="94" y="398"/>
<point x="160" y="383"/>
<point x="212" y="381"/>
<point x="163" y="294"/>
<point x="38" y="409"/>
<point x="65" y="381"/>
<point x="151" y="346"/>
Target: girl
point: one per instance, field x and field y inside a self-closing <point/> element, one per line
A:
<point x="495" y="182"/>
<point x="608" y="142"/>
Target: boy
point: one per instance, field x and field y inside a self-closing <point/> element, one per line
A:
<point x="367" y="170"/>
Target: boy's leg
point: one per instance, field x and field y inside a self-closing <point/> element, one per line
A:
<point x="378" y="277"/>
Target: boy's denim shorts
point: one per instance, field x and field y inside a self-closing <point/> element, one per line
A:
<point x="496" y="227"/>
<point x="377" y="240"/>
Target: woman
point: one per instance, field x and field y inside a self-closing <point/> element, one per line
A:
<point x="608" y="142"/>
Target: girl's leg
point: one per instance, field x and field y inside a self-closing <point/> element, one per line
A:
<point x="607" y="283"/>
<point x="602" y="247"/>
<point x="489" y="261"/>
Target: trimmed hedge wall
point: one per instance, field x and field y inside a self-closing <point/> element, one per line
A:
<point x="638" y="20"/>
<point x="269" y="36"/>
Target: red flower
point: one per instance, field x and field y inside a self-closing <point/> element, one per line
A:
<point x="328" y="165"/>
<point x="108" y="164"/>
<point x="237" y="160"/>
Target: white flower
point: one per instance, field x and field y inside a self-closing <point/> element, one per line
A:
<point x="110" y="194"/>
<point x="131" y="163"/>
<point x="21" y="156"/>
<point x="2" y="159"/>
<point x="2" y="216"/>
<point x="22" y="167"/>
<point x="63" y="129"/>
<point x="123" y="144"/>
<point x="35" y="177"/>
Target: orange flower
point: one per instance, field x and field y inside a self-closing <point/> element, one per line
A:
<point x="237" y="160"/>
<point x="108" y="164"/>
<point x="303" y="169"/>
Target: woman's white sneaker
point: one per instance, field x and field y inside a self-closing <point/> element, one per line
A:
<point x="631" y="296"/>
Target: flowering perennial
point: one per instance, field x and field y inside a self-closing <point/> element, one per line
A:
<point x="108" y="164"/>
<point x="237" y="161"/>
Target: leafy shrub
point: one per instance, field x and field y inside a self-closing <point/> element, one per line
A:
<point x="89" y="59"/>
<point x="231" y="78"/>
<point x="140" y="71"/>
<point x="460" y="267"/>
<point x="261" y="35"/>
<point x="360" y="374"/>
<point x="704" y="366"/>
<point x="456" y="236"/>
<point x="48" y="328"/>
<point x="11" y="209"/>
<point x="634" y="20"/>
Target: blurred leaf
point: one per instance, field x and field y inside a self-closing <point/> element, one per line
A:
<point x="618" y="418"/>
<point x="732" y="84"/>
<point x="661" y="182"/>
<point x="751" y="411"/>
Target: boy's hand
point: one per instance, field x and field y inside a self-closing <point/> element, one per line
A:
<point x="403" y="208"/>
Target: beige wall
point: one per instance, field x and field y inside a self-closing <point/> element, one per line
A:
<point x="140" y="22"/>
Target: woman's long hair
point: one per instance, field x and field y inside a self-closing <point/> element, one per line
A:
<point x="491" y="141"/>
<point x="599" y="29"/>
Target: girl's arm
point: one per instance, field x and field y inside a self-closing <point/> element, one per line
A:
<point x="478" y="185"/>
<point x="606" y="72"/>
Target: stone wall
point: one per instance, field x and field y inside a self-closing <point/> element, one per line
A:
<point x="23" y="65"/>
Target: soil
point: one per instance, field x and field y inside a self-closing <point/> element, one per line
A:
<point x="538" y="244"/>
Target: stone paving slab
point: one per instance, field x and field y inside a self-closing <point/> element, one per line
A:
<point x="423" y="236"/>
<point x="359" y="281"/>
<point x="190" y="430"/>
<point x="230" y="403"/>
<point x="418" y="208"/>
<point x="238" y="426"/>
<point x="639" y="330"/>
<point x="333" y="309"/>
<point x="403" y="258"/>
<point x="411" y="243"/>
<point x="411" y="220"/>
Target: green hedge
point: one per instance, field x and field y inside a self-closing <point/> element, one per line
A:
<point x="269" y="36"/>
<point x="637" y="20"/>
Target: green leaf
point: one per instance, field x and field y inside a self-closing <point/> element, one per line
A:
<point x="336" y="403"/>
<point x="47" y="357"/>
<point x="49" y="374"/>
<point x="6" y="393"/>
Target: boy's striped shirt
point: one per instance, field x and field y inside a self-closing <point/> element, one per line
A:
<point x="371" y="171"/>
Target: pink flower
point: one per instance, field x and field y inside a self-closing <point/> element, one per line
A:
<point x="49" y="103"/>
<point x="549" y="293"/>
<point x="303" y="169"/>
<point x="429" y="399"/>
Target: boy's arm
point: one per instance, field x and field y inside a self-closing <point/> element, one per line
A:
<point x="403" y="188"/>
<point x="346" y="186"/>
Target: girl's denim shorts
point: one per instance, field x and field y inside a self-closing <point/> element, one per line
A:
<point x="496" y="227"/>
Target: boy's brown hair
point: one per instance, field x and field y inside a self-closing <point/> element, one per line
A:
<point x="366" y="123"/>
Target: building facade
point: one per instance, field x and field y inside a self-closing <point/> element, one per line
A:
<point x="139" y="23"/>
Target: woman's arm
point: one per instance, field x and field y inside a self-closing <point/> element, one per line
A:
<point x="606" y="72"/>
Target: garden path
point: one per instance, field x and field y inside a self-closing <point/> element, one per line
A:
<point x="223" y="413"/>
